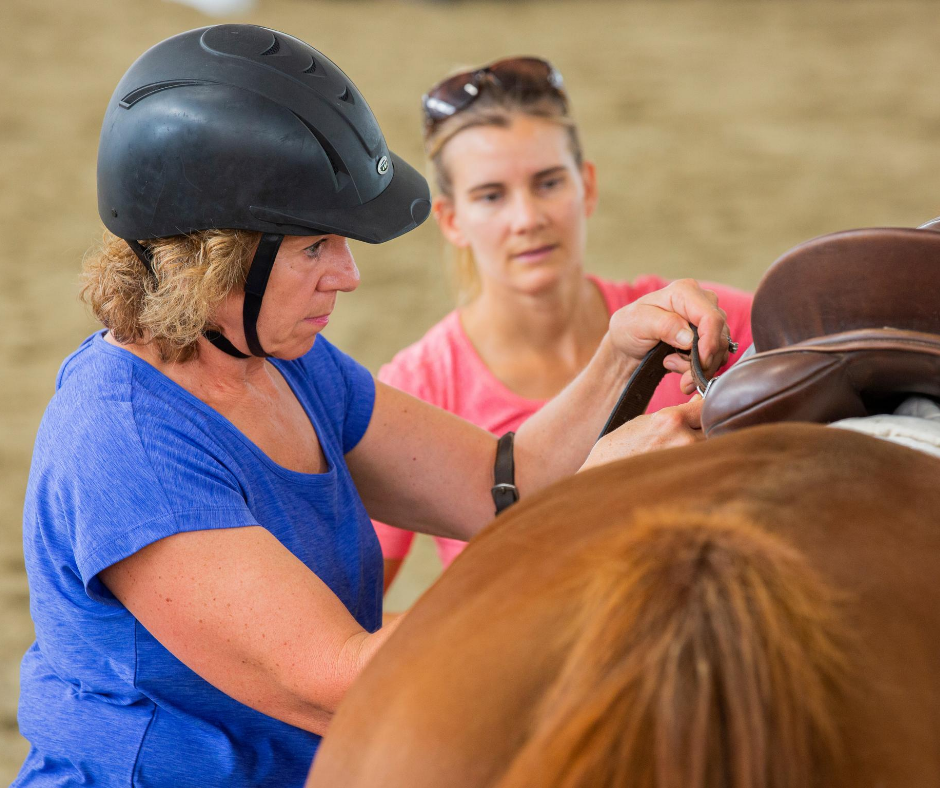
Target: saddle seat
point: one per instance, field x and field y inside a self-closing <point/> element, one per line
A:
<point x="845" y="325"/>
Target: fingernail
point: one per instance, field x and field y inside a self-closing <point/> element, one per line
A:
<point x="684" y="337"/>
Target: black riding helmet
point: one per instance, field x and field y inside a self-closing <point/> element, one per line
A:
<point x="241" y="127"/>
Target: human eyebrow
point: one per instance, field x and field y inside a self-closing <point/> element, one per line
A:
<point x="559" y="170"/>
<point x="485" y="187"/>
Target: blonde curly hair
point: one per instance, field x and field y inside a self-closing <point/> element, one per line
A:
<point x="194" y="273"/>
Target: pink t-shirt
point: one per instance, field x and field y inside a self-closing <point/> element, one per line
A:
<point x="443" y="368"/>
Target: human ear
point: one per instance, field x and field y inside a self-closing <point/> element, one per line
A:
<point x="446" y="216"/>
<point x="589" y="178"/>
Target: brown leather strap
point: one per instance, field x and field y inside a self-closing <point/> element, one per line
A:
<point x="642" y="384"/>
<point x="638" y="392"/>
<point x="699" y="377"/>
<point x="504" y="491"/>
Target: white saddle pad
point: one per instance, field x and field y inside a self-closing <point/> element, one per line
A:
<point x="915" y="424"/>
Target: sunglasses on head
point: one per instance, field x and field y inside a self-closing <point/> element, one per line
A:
<point x="525" y="76"/>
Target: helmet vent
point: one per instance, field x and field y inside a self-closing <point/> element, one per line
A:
<point x="346" y="96"/>
<point x="155" y="87"/>
<point x="312" y="67"/>
<point x="340" y="173"/>
<point x="273" y="49"/>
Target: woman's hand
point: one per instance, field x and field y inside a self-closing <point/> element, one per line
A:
<point x="665" y="429"/>
<point x="665" y="316"/>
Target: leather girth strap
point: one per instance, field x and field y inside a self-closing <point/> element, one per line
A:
<point x="642" y="384"/>
<point x="639" y="390"/>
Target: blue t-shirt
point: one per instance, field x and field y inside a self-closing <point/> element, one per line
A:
<point x="124" y="457"/>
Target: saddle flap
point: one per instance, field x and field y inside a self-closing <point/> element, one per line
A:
<point x="850" y="374"/>
<point x="858" y="279"/>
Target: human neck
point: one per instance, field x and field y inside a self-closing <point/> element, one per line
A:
<point x="212" y="375"/>
<point x="562" y="320"/>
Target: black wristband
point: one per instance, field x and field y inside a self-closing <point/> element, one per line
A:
<point x="504" y="489"/>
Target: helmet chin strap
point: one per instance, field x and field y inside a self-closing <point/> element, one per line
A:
<point x="218" y="339"/>
<point x="143" y="254"/>
<point x="255" y="284"/>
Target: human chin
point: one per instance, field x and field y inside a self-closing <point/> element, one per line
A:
<point x="536" y="279"/>
<point x="298" y="344"/>
<point x="295" y="349"/>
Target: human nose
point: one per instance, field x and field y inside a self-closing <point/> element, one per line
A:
<point x="343" y="275"/>
<point x="526" y="213"/>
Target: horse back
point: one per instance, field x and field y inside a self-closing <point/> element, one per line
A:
<point x="454" y="694"/>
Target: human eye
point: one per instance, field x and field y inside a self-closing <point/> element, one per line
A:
<point x="487" y="195"/>
<point x="313" y="251"/>
<point x="551" y="183"/>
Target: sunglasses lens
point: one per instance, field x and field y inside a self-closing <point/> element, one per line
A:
<point x="450" y="96"/>
<point x="528" y="74"/>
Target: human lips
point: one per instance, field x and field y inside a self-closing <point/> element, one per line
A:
<point x="318" y="320"/>
<point x="535" y="254"/>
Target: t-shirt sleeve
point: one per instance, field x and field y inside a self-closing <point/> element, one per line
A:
<point x="359" y="393"/>
<point x="120" y="487"/>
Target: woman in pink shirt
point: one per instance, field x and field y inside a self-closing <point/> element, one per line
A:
<point x="513" y="197"/>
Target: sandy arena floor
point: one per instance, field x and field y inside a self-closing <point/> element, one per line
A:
<point x="724" y="133"/>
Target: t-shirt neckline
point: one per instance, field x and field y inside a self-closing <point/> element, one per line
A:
<point x="100" y="344"/>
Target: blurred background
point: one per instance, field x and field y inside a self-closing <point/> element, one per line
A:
<point x="724" y="133"/>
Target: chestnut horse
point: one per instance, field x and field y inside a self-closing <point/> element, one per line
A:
<point x="761" y="610"/>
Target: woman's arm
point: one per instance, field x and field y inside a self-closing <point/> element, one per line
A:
<point x="429" y="470"/>
<point x="244" y="613"/>
<point x="407" y="372"/>
<point x="577" y="415"/>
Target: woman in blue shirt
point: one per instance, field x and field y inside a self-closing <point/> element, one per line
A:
<point x="205" y="581"/>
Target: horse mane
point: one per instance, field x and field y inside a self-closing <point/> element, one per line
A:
<point x="707" y="653"/>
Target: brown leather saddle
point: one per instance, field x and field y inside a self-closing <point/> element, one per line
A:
<point x="844" y="325"/>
